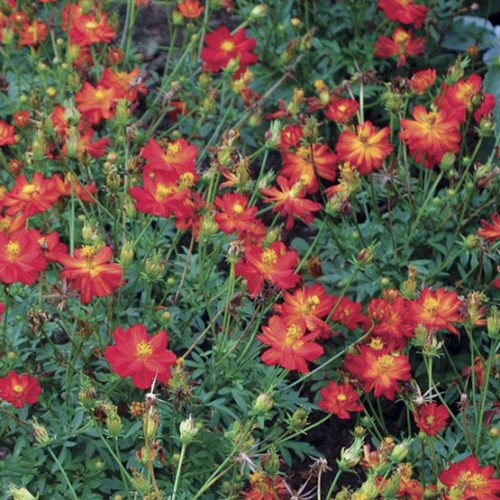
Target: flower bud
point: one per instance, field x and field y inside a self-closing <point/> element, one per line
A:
<point x="263" y="403"/>
<point x="140" y="483"/>
<point x="271" y="462"/>
<point x="472" y="241"/>
<point x="154" y="266"/>
<point x="295" y="23"/>
<point x="177" y="18"/>
<point x="40" y="434"/>
<point x="493" y="323"/>
<point x="205" y="80"/>
<point x="400" y="451"/>
<point x="150" y="423"/>
<point x="391" y="487"/>
<point x="188" y="430"/>
<point x="19" y="493"/>
<point x="299" y="419"/>
<point x="350" y="457"/>
<point x="486" y="127"/>
<point x="51" y="92"/>
<point x="494" y="432"/>
<point x="258" y="11"/>
<point x="447" y="161"/>
<point x="113" y="423"/>
<point x="126" y="254"/>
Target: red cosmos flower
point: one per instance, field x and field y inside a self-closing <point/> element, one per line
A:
<point x="84" y="193"/>
<point x="274" y="264"/>
<point x="467" y="479"/>
<point x="379" y="369"/>
<point x="189" y="213"/>
<point x="306" y="162"/>
<point x="430" y="133"/>
<point x="404" y="11"/>
<point x="221" y="47"/>
<point x="18" y="390"/>
<point x="490" y="231"/>
<point x="190" y="9"/>
<point x="436" y="309"/>
<point x="21" y="257"/>
<point x="115" y="56"/>
<point x="431" y="418"/>
<point x="290" y="137"/>
<point x="422" y="80"/>
<point x="290" y="201"/>
<point x="30" y="197"/>
<point x="52" y="248"/>
<point x="456" y="99"/>
<point x="306" y="307"/>
<point x="124" y="84"/>
<point x="140" y="356"/>
<point x="7" y="134"/>
<point x="342" y="110"/>
<point x="87" y="29"/>
<point x="91" y="273"/>
<point x="401" y="45"/>
<point x="234" y="215"/>
<point x="33" y="33"/>
<point x="96" y="103"/>
<point x="290" y="348"/>
<point x="366" y="148"/>
<point x="83" y="140"/>
<point x="339" y="400"/>
<point x="159" y="194"/>
<point x="264" y="488"/>
<point x="486" y="107"/>
<point x="347" y="313"/>
<point x="22" y="118"/>
<point x="179" y="157"/>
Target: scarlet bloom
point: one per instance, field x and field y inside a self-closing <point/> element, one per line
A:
<point x="306" y="162"/>
<point x="123" y="83"/>
<point x="402" y="44"/>
<point x="87" y="29"/>
<point x="96" y="103"/>
<point x="487" y="105"/>
<point x="52" y="248"/>
<point x="84" y="193"/>
<point x="404" y="11"/>
<point x="306" y="307"/>
<point x="339" y="400"/>
<point x="467" y="479"/>
<point x="31" y="197"/>
<point x="431" y="133"/>
<point x="366" y="148"/>
<point x="221" y="47"/>
<point x="290" y="137"/>
<point x="347" y="313"/>
<point x="179" y="156"/>
<point x="22" y="118"/>
<point x="457" y="99"/>
<point x="264" y="488"/>
<point x="234" y="215"/>
<point x="490" y="231"/>
<point x="91" y="273"/>
<point x="21" y="257"/>
<point x="7" y="134"/>
<point x="18" y="390"/>
<point x="422" y="80"/>
<point x="342" y="110"/>
<point x="379" y="369"/>
<point x="190" y="9"/>
<point x="290" y="201"/>
<point x="289" y="347"/>
<point x="274" y="264"/>
<point x="436" y="309"/>
<point x="431" y="418"/>
<point x="136" y="354"/>
<point x="33" y="33"/>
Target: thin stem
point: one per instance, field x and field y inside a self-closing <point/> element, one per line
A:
<point x="61" y="468"/>
<point x="178" y="473"/>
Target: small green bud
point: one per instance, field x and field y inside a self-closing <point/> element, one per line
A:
<point x="263" y="403"/>
<point x="188" y="430"/>
<point x="113" y="422"/>
<point x="40" y="434"/>
<point x="19" y="493"/>
<point x="126" y="254"/>
<point x="400" y="451"/>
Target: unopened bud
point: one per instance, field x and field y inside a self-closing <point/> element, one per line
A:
<point x="400" y="451"/>
<point x="263" y="403"/>
<point x="258" y="11"/>
<point x="113" y="423"/>
<point x="19" y="493"/>
<point x="188" y="430"/>
<point x="126" y="254"/>
<point x="40" y="434"/>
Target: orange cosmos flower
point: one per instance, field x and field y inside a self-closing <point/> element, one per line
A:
<point x="290" y="348"/>
<point x="140" y="356"/>
<point x="190" y="9"/>
<point x="274" y="264"/>
<point x="430" y="133"/>
<point x="31" y="197"/>
<point x="221" y="47"/>
<point x="342" y="110"/>
<point x="431" y="418"/>
<point x="234" y="215"/>
<point x="124" y="84"/>
<point x="422" y="80"/>
<point x="467" y="479"/>
<point x="91" y="273"/>
<point x="490" y="231"/>
<point x="33" y="33"/>
<point x="179" y="157"/>
<point x="7" y="134"/>
<point x="84" y="193"/>
<point x="22" y="118"/>
<point x="339" y="400"/>
<point x="401" y="45"/>
<point x="347" y="313"/>
<point x="96" y="103"/>
<point x="306" y="162"/>
<point x="366" y="148"/>
<point x="290" y="201"/>
<point x="52" y="248"/>
<point x="87" y="29"/>
<point x="404" y="11"/>
<point x="380" y="370"/>
<point x="290" y="137"/>
<point x="436" y="309"/>
<point x="18" y="390"/>
<point x="265" y="488"/>
<point x="21" y="257"/>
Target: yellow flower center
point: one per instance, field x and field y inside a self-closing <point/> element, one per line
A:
<point x="4" y="225"/>
<point x="18" y="389"/>
<point x="430" y="419"/>
<point x="431" y="119"/>
<point x="401" y="38"/>
<point x="293" y="333"/>
<point x="144" y="349"/>
<point x="468" y="479"/>
<point x="385" y="362"/>
<point x="90" y="25"/>
<point x="28" y="189"/>
<point x="186" y="180"/>
<point x="431" y="305"/>
<point x="172" y="149"/>
<point x="269" y="256"/>
<point x="227" y="46"/>
<point x="376" y="344"/>
<point x="341" y="397"/>
<point x="237" y="209"/>
<point x="465" y="92"/>
<point x="99" y="94"/>
<point x="311" y="303"/>
<point x="87" y="252"/>
<point x="12" y="248"/>
<point x="303" y="152"/>
<point x="162" y="191"/>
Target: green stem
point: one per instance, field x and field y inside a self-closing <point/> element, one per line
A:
<point x="332" y="486"/>
<point x="61" y="468"/>
<point x="178" y="473"/>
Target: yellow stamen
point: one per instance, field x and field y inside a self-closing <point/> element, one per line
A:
<point x="144" y="349"/>
<point x="293" y="333"/>
<point x="227" y="46"/>
<point x="12" y="248"/>
<point x="269" y="256"/>
<point x="385" y="362"/>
